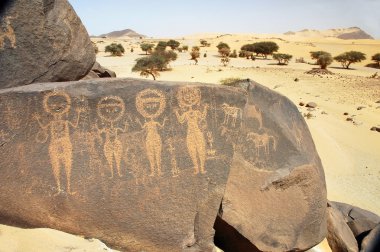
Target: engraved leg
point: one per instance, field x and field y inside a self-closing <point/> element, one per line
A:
<point x="191" y="146"/>
<point x="55" y="162"/>
<point x="118" y="152"/>
<point x="108" y="153"/>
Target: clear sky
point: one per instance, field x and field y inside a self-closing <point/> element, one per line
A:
<point x="176" y="18"/>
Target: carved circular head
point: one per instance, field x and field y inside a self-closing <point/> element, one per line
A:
<point x="111" y="108"/>
<point x="188" y="96"/>
<point x="57" y="103"/>
<point x="150" y="103"/>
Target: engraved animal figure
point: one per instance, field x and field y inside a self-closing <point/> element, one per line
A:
<point x="7" y="33"/>
<point x="58" y="105"/>
<point x="253" y="112"/>
<point x="262" y="141"/>
<point x="150" y="103"/>
<point x="110" y="109"/>
<point x="188" y="97"/>
<point x="231" y="114"/>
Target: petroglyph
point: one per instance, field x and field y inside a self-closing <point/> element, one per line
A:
<point x="231" y="114"/>
<point x="173" y="160"/>
<point x="111" y="109"/>
<point x="262" y="141"/>
<point x="211" y="152"/>
<point x="7" y="33"/>
<point x="150" y="103"/>
<point x="58" y="104"/>
<point x="253" y="112"/>
<point x="188" y="98"/>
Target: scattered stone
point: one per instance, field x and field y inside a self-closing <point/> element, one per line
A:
<point x="97" y="71"/>
<point x="323" y="113"/>
<point x="375" y="129"/>
<point x="345" y="113"/>
<point x="339" y="235"/>
<point x="296" y="79"/>
<point x="277" y="86"/>
<point x="319" y="72"/>
<point x="378" y="101"/>
<point x="44" y="41"/>
<point x="302" y="104"/>
<point x="360" y="108"/>
<point x="311" y="105"/>
<point x="378" y="129"/>
<point x="349" y="119"/>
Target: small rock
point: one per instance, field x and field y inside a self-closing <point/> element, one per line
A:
<point x="360" y="107"/>
<point x="301" y="104"/>
<point x="373" y="128"/>
<point x="378" y="101"/>
<point x="311" y="105"/>
<point x="349" y="119"/>
<point x="296" y="79"/>
<point x="277" y="86"/>
<point x="323" y="113"/>
<point x="345" y="113"/>
<point x="378" y="129"/>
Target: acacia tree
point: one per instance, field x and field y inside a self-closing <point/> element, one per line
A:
<point x="146" y="47"/>
<point x="115" y="49"/>
<point x="161" y="46"/>
<point x="376" y="58"/>
<point x="223" y="49"/>
<point x="173" y="44"/>
<point x="148" y="66"/>
<point x="185" y="48"/>
<point x="263" y="48"/>
<point x="347" y="58"/>
<point x="195" y="54"/>
<point x="323" y="58"/>
<point x="282" y="58"/>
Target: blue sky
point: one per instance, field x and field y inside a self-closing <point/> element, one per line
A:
<point x="176" y="18"/>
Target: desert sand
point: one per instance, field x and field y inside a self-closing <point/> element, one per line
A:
<point x="349" y="151"/>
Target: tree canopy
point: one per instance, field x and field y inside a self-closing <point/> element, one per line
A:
<point x="323" y="58"/>
<point x="161" y="46"/>
<point x="146" y="47"/>
<point x="173" y="44"/>
<point x="347" y="58"/>
<point x="115" y="49"/>
<point x="263" y="48"/>
<point x="376" y="58"/>
<point x="282" y="58"/>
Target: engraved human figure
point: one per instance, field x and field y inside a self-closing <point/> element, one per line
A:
<point x="187" y="98"/>
<point x="58" y="105"/>
<point x="7" y="33"/>
<point x="110" y="109"/>
<point x="150" y="103"/>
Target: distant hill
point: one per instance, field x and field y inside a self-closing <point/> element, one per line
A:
<point x="123" y="33"/>
<point x="343" y="33"/>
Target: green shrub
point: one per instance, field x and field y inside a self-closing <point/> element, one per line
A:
<point x="146" y="47"/>
<point x="195" y="54"/>
<point x="263" y="49"/>
<point x="376" y="58"/>
<point x="115" y="49"/>
<point x="230" y="81"/>
<point x="173" y="44"/>
<point x="233" y="54"/>
<point x="282" y="58"/>
<point x="323" y="58"/>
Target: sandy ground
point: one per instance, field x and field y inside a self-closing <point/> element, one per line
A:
<point x="349" y="151"/>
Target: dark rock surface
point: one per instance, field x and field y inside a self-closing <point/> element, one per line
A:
<point x="42" y="41"/>
<point x="339" y="237"/>
<point x="140" y="165"/>
<point x="371" y="243"/>
<point x="276" y="193"/>
<point x="98" y="71"/>
<point x="143" y="165"/>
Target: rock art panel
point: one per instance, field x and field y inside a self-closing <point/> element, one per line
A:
<point x="140" y="165"/>
<point x="276" y="193"/>
<point x="42" y="41"/>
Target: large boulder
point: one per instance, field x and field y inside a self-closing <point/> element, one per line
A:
<point x="42" y="41"/>
<point x="371" y="243"/>
<point x="143" y="165"/>
<point x="140" y="165"/>
<point x="340" y="236"/>
<point x="276" y="192"/>
<point x="98" y="71"/>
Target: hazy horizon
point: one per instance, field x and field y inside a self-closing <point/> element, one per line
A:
<point x="170" y="18"/>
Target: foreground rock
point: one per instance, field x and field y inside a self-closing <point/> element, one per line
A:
<point x="143" y="165"/>
<point x="42" y="41"/>
<point x="136" y="164"/>
<point x="276" y="193"/>
<point x="358" y="226"/>
<point x="98" y="71"/>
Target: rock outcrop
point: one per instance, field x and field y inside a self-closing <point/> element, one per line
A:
<point x="42" y="41"/>
<point x="143" y="165"/>
<point x="276" y="194"/>
<point x="98" y="71"/>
